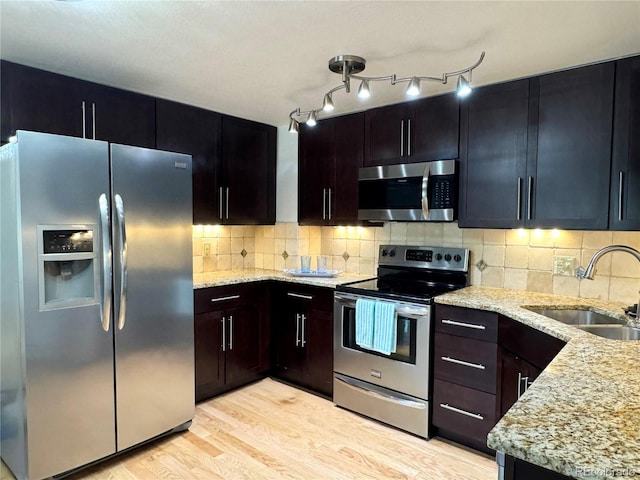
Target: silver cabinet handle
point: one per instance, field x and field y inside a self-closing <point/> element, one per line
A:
<point x="93" y="119"/>
<point x="107" y="272"/>
<point x="408" y="137"/>
<point x="224" y="334"/>
<point x="303" y="320"/>
<point x="523" y="384"/>
<point x="84" y="120"/>
<point x="529" y="198"/>
<point x="297" y="329"/>
<point x="329" y="207"/>
<point x="402" y="138"/>
<point x="446" y="321"/>
<point x="620" y="196"/>
<point x="230" y="332"/>
<point x="299" y="295"/>
<point x="123" y="261"/>
<point x="519" y="210"/>
<point x="227" y="205"/>
<point x="223" y="299"/>
<point x="220" y="203"/>
<point x="479" y="366"/>
<point x="446" y="406"/>
<point x="324" y="203"/>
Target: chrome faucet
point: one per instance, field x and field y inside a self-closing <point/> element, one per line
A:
<point x="589" y="272"/>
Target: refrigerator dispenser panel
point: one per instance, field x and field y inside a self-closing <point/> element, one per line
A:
<point x="66" y="264"/>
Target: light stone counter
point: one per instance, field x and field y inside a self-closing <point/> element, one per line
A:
<point x="232" y="277"/>
<point x="581" y="417"/>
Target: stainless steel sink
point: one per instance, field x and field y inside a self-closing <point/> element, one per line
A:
<point x="613" y="332"/>
<point x="578" y="317"/>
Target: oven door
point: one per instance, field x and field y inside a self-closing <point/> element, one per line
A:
<point x="406" y="370"/>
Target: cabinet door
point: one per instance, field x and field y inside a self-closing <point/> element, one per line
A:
<point x="494" y="155"/>
<point x="39" y="101"/>
<point x="249" y="172"/>
<point x="242" y="337"/>
<point x="318" y="343"/>
<point x="348" y="158"/>
<point x="385" y="135"/>
<point x="436" y="131"/>
<point x="316" y="163"/>
<point x="625" y="173"/>
<point x="569" y="167"/>
<point x="186" y="129"/>
<point x="516" y="377"/>
<point x="209" y="359"/>
<point x="119" y="116"/>
<point x="289" y="353"/>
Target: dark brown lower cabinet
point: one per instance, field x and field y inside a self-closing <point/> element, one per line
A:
<point x="516" y="469"/>
<point x="303" y="336"/>
<point x="483" y="362"/>
<point x="231" y="337"/>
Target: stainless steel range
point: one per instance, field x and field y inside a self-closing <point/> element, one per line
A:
<point x="390" y="380"/>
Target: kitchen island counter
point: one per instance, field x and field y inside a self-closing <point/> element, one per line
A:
<point x="581" y="417"/>
<point x="232" y="277"/>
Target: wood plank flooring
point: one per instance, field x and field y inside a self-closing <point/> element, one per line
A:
<point x="269" y="430"/>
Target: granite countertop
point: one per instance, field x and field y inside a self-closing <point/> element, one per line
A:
<point x="581" y="417"/>
<point x="232" y="277"/>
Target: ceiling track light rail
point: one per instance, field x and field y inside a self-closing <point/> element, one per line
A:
<point x="349" y="66"/>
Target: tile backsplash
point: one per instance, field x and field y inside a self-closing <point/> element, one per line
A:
<point x="515" y="259"/>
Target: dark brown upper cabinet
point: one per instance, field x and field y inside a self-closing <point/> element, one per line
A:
<point x="247" y="187"/>
<point x="625" y="170"/>
<point x="569" y="154"/>
<point x="494" y="156"/>
<point x="194" y="131"/>
<point x="417" y="131"/>
<point x="536" y="153"/>
<point x="234" y="163"/>
<point x="42" y="101"/>
<point x="329" y="156"/>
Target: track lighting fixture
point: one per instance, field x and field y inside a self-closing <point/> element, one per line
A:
<point x="349" y="66"/>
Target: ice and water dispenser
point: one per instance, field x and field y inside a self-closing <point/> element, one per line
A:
<point x="67" y="266"/>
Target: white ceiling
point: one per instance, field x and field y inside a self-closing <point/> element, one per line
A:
<point x="262" y="59"/>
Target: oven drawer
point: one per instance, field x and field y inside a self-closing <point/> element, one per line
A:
<point x="466" y="322"/>
<point x="465" y="361"/>
<point x="463" y="410"/>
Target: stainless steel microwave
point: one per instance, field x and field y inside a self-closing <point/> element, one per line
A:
<point x="412" y="192"/>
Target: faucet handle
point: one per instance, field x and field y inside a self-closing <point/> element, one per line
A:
<point x="579" y="273"/>
<point x="632" y="310"/>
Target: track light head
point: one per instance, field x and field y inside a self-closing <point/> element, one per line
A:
<point x="294" y="127"/>
<point x="363" y="89"/>
<point x="327" y="103"/>
<point x="312" y="120"/>
<point x="413" y="90"/>
<point x="464" y="87"/>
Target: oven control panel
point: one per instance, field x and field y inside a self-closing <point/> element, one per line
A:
<point x="437" y="258"/>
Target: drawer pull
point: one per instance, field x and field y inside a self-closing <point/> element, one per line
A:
<point x="446" y="321"/>
<point x="222" y="299"/>
<point x="462" y="362"/>
<point x="446" y="406"/>
<point x="299" y="295"/>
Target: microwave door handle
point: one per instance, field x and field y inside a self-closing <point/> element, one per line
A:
<point x="425" y="192"/>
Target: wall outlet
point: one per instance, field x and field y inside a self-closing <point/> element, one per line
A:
<point x="206" y="249"/>
<point x="563" y="265"/>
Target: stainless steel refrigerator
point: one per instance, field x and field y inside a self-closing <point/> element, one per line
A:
<point x="96" y="300"/>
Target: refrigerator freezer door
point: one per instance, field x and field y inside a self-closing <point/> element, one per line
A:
<point x="68" y="355"/>
<point x="153" y="290"/>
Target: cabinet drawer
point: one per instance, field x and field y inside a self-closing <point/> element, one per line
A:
<point x="316" y="298"/>
<point x="466" y="322"/>
<point x="463" y="410"/>
<point x="216" y="298"/>
<point x="466" y="362"/>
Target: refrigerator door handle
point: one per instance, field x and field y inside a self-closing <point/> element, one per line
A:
<point x="122" y="229"/>
<point x="105" y="311"/>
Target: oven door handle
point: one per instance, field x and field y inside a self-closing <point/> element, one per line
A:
<point x="382" y="396"/>
<point x="405" y="311"/>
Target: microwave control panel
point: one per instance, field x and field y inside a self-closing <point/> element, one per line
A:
<point x="442" y="191"/>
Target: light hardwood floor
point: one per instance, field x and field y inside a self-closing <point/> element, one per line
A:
<point x="269" y="430"/>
